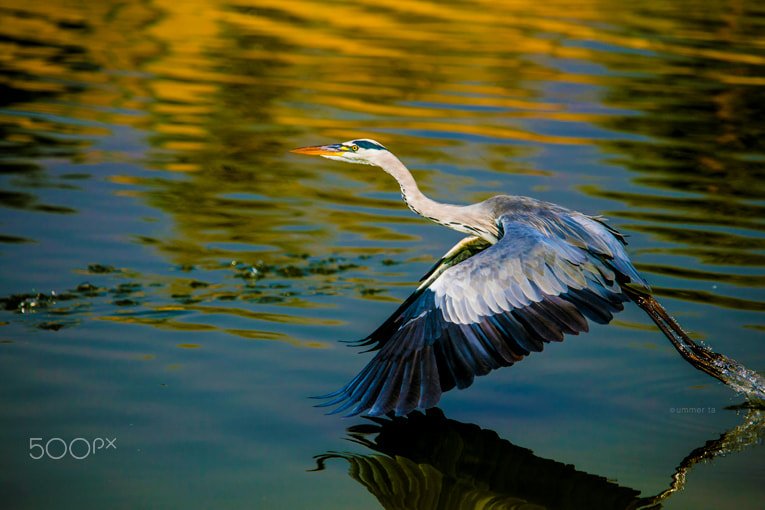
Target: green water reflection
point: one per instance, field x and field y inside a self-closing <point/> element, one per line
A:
<point x="149" y="203"/>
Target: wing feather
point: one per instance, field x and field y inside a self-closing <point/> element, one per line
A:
<point x="432" y="383"/>
<point x="410" y="385"/>
<point x="485" y="306"/>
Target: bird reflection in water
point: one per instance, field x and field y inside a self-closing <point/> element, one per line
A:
<point x="427" y="461"/>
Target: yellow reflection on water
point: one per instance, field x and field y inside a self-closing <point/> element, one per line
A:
<point x="402" y="65"/>
<point x="221" y="90"/>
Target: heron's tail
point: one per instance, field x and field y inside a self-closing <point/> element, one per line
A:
<point x="727" y="370"/>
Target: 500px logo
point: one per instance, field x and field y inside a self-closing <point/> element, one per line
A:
<point x="78" y="448"/>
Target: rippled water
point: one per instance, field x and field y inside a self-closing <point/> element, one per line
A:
<point x="173" y="278"/>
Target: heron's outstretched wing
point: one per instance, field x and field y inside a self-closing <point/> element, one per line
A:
<point x="546" y="275"/>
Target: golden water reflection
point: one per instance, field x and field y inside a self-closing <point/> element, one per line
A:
<point x="205" y="98"/>
<point x="198" y="102"/>
<point x="222" y="89"/>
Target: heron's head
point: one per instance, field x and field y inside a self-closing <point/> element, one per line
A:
<point x="364" y="151"/>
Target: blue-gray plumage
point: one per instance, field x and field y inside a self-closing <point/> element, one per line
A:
<point x="529" y="273"/>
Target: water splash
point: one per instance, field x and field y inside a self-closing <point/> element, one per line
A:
<point x="731" y="372"/>
<point x="741" y="379"/>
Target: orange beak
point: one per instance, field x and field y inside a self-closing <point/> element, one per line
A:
<point x="320" y="150"/>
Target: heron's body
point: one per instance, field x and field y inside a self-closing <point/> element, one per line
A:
<point x="529" y="273"/>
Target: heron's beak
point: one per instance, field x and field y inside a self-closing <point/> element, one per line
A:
<point x="320" y="150"/>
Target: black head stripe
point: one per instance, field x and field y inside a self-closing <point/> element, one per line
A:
<point x="364" y="144"/>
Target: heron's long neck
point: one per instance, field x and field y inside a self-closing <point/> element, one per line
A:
<point x="453" y="216"/>
<point x="411" y="194"/>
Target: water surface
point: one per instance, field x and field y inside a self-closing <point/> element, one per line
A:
<point x="174" y="278"/>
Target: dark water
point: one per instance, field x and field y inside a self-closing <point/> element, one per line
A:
<point x="203" y="275"/>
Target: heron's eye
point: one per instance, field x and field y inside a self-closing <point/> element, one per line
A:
<point x="354" y="148"/>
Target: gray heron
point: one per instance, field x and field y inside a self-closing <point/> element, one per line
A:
<point x="528" y="273"/>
